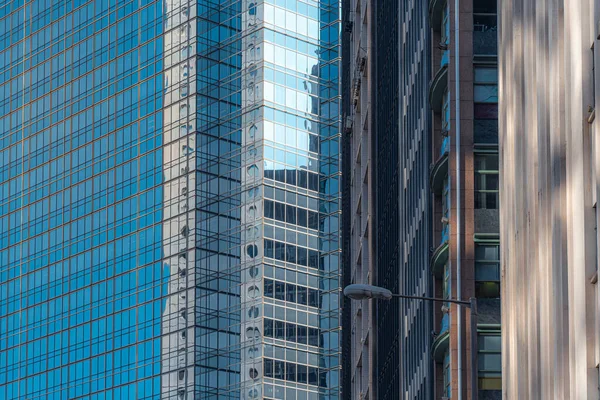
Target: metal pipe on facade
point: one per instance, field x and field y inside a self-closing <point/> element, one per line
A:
<point x="458" y="199"/>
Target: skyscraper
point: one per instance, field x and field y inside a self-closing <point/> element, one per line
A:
<point x="358" y="197"/>
<point x="431" y="227"/>
<point x="549" y="155"/>
<point x="465" y="260"/>
<point x="169" y="205"/>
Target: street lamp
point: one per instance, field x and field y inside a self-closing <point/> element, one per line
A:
<point x="362" y="292"/>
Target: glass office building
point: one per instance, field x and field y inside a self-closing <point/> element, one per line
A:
<point x="169" y="199"/>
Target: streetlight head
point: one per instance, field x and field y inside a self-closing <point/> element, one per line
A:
<point x="361" y="292"/>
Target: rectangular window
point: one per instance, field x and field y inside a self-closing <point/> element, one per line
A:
<point x="290" y="332"/>
<point x="486" y="180"/>
<point x="485" y="28"/>
<point x="290" y="175"/>
<point x="302" y="256"/>
<point x="446" y="204"/>
<point x="447" y="376"/>
<point x="280" y="212"/>
<point x="487" y="270"/>
<point x="280" y="290"/>
<point x="268" y="368"/>
<point x="313" y="259"/>
<point x="446" y="25"/>
<point x="302" y="334"/>
<point x="313" y="220"/>
<point x="302" y="374"/>
<point x="446" y="111"/>
<point x="313" y="376"/>
<point x="268" y="209"/>
<point x="280" y="251"/>
<point x="290" y="293"/>
<point x="313" y="297"/>
<point x="290" y="372"/>
<point x="485" y="89"/>
<point x="279" y="330"/>
<point x="302" y="217"/>
<point x="490" y="361"/>
<point x="290" y="253"/>
<point x="485" y="85"/>
<point x="313" y="336"/>
<point x="268" y="248"/>
<point x="268" y="326"/>
<point x="268" y="288"/>
<point x="290" y="214"/>
<point x="278" y="367"/>
<point x="302" y="295"/>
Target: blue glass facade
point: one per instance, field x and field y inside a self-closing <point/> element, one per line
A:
<point x="169" y="199"/>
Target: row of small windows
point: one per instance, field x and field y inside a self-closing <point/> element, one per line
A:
<point x="292" y="332"/>
<point x="292" y="215"/>
<point x="294" y="372"/>
<point x="291" y="253"/>
<point x="292" y="293"/>
<point x="301" y="178"/>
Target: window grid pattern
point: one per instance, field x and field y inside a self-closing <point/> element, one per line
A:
<point x="134" y="144"/>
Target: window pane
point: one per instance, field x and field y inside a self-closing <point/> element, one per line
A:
<point x="302" y="295"/>
<point x="290" y="253"/>
<point x="280" y="290"/>
<point x="302" y="256"/>
<point x="279" y="330"/>
<point x="486" y="75"/>
<point x="487" y="272"/>
<point x="302" y="373"/>
<point x="487" y="252"/>
<point x="268" y="209"/>
<point x="490" y="362"/>
<point x="268" y="324"/>
<point x="486" y="162"/>
<point x="290" y="292"/>
<point x="489" y="342"/>
<point x="302" y="334"/>
<point x="280" y="212"/>
<point x="290" y="372"/>
<point x="268" y="368"/>
<point x="290" y="332"/>
<point x="278" y="369"/>
<point x="268" y="288"/>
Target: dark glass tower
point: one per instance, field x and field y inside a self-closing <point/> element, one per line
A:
<point x="169" y="205"/>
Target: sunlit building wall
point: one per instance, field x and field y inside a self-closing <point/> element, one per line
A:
<point x="549" y="158"/>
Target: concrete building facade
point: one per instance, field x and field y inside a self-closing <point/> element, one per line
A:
<point x="414" y="201"/>
<point x="464" y="188"/>
<point x="358" y="199"/>
<point x="417" y="236"/>
<point x="550" y="163"/>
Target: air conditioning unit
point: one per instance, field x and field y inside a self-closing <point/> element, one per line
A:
<point x="355" y="90"/>
<point x="362" y="63"/>
<point x="348" y="123"/>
